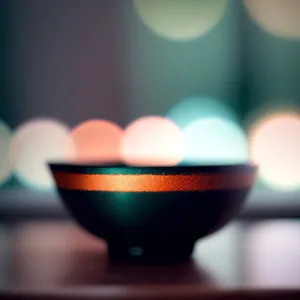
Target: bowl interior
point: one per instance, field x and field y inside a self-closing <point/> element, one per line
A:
<point x="118" y="168"/>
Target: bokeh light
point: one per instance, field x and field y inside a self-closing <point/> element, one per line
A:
<point x="96" y="140"/>
<point x="33" y="145"/>
<point x="214" y="141"/>
<point x="152" y="140"/>
<point x="192" y="109"/>
<point x="180" y="19"/>
<point x="275" y="147"/>
<point x="5" y="138"/>
<point x="280" y="18"/>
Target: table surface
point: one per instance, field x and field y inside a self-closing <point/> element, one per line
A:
<point x="60" y="261"/>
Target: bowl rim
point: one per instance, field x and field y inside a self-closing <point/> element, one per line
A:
<point x="119" y="168"/>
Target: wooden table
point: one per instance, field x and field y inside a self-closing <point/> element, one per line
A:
<point x="59" y="261"/>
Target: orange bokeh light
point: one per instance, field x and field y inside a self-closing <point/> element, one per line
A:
<point x="152" y="141"/>
<point x="96" y="140"/>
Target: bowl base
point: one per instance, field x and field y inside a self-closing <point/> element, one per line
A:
<point x="160" y="253"/>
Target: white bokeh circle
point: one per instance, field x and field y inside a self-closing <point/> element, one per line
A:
<point x="180" y="19"/>
<point x="280" y="18"/>
<point x="275" y="147"/>
<point x="33" y="145"/>
<point x="215" y="141"/>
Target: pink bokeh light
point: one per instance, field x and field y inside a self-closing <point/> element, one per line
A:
<point x="152" y="141"/>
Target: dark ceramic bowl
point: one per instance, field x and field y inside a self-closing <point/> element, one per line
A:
<point x="152" y="213"/>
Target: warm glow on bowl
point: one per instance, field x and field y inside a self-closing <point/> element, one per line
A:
<point x="152" y="141"/>
<point x="96" y="140"/>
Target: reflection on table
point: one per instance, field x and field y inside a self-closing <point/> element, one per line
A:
<point x="59" y="254"/>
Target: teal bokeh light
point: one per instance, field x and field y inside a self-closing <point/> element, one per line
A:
<point x="192" y="109"/>
<point x="214" y="141"/>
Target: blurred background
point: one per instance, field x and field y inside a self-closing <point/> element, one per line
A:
<point x="80" y="75"/>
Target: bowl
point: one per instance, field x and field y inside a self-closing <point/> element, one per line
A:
<point x="152" y="213"/>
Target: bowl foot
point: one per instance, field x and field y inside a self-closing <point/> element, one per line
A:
<point x="155" y="252"/>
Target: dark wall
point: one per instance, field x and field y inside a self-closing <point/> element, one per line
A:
<point x="64" y="59"/>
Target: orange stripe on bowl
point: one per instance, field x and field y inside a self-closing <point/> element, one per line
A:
<point x="153" y="183"/>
